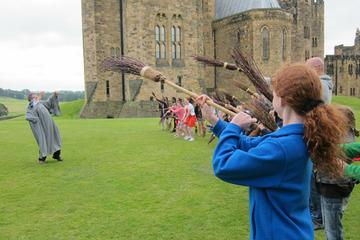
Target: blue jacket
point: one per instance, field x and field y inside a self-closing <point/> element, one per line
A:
<point x="277" y="169"/>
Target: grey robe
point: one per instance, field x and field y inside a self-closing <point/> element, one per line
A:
<point x="44" y="129"/>
<point x="52" y="104"/>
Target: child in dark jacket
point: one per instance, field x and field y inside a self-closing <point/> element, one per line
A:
<point x="276" y="167"/>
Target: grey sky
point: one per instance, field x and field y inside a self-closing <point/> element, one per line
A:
<point x="41" y="41"/>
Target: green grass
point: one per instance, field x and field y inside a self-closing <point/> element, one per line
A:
<point x="121" y="179"/>
<point x="72" y="109"/>
<point x="15" y="106"/>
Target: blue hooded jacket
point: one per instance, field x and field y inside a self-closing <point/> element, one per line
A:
<point x="277" y="169"/>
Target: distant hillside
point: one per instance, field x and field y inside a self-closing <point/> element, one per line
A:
<point x="65" y="96"/>
<point x="18" y="107"/>
<point x="15" y="106"/>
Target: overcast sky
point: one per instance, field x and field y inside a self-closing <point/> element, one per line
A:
<point x="41" y="41"/>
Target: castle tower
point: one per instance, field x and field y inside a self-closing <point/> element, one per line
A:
<point x="102" y="37"/>
<point x="317" y="28"/>
<point x="357" y="42"/>
<point x="301" y="34"/>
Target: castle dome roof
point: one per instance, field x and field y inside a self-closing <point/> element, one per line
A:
<point x="225" y="8"/>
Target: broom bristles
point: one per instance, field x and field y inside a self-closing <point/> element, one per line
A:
<point x="262" y="115"/>
<point x="252" y="71"/>
<point x="123" y="64"/>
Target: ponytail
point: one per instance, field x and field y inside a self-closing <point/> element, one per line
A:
<point x="324" y="129"/>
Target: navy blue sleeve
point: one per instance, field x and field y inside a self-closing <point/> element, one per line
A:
<point x="236" y="161"/>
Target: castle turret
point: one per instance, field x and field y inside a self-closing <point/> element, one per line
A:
<point x="317" y="28"/>
<point x="101" y="38"/>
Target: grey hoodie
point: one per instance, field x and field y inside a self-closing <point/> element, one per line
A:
<point x="327" y="87"/>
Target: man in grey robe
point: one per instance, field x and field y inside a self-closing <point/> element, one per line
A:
<point x="44" y="129"/>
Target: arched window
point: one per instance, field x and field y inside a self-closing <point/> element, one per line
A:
<point x="178" y="51"/>
<point x="162" y="34"/>
<point x="157" y="46"/>
<point x="176" y="42"/>
<point x="112" y="52"/>
<point x="157" y="50"/>
<point x="283" y="44"/>
<point x="160" y="47"/>
<point x="163" y="50"/>
<point x="108" y="88"/>
<point x="173" y="49"/>
<point x="117" y="52"/>
<point x="350" y="68"/>
<point x="238" y="38"/>
<point x="265" y="39"/>
<point x="178" y="34"/>
<point x="173" y="34"/>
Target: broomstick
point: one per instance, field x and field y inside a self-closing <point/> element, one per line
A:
<point x="135" y="67"/>
<point x="243" y="64"/>
<point x="245" y="88"/>
<point x="216" y="63"/>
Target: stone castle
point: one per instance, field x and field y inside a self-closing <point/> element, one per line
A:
<point x="165" y="34"/>
<point x="344" y="68"/>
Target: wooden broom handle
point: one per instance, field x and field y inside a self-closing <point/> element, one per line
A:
<point x="194" y="95"/>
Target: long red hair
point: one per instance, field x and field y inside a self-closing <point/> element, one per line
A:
<point x="324" y="126"/>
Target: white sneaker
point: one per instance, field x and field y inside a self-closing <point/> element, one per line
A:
<point x="191" y="139"/>
<point x="187" y="138"/>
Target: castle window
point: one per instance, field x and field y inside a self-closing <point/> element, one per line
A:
<point x="157" y="33"/>
<point x="283" y="44"/>
<point x="307" y="54"/>
<point x="314" y="42"/>
<point x="352" y="92"/>
<point x="112" y="52"/>
<point x="358" y="69"/>
<point x="157" y="51"/>
<point x="330" y="69"/>
<point x="265" y="43"/>
<point x="238" y="37"/>
<point x="306" y="32"/>
<point x="117" y="52"/>
<point x="160" y="47"/>
<point x="178" y="34"/>
<point x="350" y="69"/>
<point x="163" y="50"/>
<point x="108" y="88"/>
<point x="176" y="42"/>
<point x="162" y="87"/>
<point x="341" y="89"/>
<point x="179" y="81"/>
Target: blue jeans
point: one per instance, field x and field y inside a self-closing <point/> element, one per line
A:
<point x="315" y="203"/>
<point x="332" y="213"/>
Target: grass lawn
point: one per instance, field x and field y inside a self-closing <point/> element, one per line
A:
<point x="121" y="179"/>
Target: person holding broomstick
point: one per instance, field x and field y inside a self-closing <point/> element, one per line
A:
<point x="277" y="167"/>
